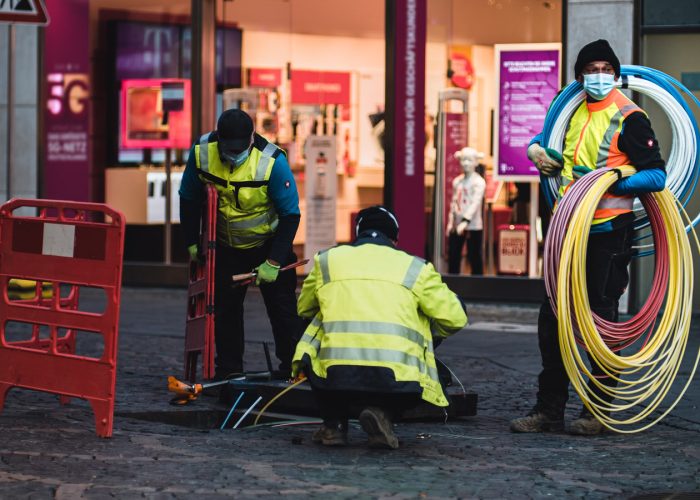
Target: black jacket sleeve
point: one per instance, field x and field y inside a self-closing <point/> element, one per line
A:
<point x="190" y="219"/>
<point x="639" y="142"/>
<point x="284" y="239"/>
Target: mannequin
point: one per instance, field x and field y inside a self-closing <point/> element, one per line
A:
<point x="465" y="218"/>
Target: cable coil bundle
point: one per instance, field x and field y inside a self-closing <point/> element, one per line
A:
<point x="644" y="377"/>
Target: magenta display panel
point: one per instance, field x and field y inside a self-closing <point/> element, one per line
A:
<point x="68" y="171"/>
<point x="143" y="120"/>
<point x="528" y="81"/>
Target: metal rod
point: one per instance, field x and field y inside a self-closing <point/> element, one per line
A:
<point x="246" y="412"/>
<point x="10" y="104"/>
<point x="223" y="426"/>
<point x="168" y="216"/>
<point x="533" y="272"/>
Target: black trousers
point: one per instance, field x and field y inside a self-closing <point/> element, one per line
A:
<point x="280" y="303"/>
<point x="337" y="406"/>
<point x="607" y="258"/>
<point x="455" y="243"/>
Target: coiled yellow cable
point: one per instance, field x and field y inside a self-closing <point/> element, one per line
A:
<point x="644" y="377"/>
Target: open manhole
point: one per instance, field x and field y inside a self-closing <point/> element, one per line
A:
<point x="208" y="419"/>
<point x="296" y="406"/>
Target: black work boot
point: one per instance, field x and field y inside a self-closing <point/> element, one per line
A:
<point x="536" y="421"/>
<point x="586" y="425"/>
<point x="377" y="424"/>
<point x="331" y="434"/>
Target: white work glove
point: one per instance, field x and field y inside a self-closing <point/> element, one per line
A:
<point x="462" y="227"/>
<point x="542" y="161"/>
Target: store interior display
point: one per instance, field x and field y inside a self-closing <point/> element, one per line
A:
<point x="295" y="87"/>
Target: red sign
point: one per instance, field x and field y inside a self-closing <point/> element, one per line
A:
<point x="462" y="71"/>
<point x="320" y="87"/>
<point x="264" y="77"/>
<point x="455" y="140"/>
<point x="512" y="249"/>
<point x="156" y="113"/>
<point x="25" y="12"/>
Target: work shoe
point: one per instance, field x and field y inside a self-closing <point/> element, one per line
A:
<point x="331" y="436"/>
<point x="536" y="422"/>
<point x="380" y="432"/>
<point x="586" y="425"/>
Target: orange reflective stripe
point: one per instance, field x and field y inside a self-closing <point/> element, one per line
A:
<point x="580" y="136"/>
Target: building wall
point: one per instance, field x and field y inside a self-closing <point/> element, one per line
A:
<point x="588" y="20"/>
<point x="24" y="161"/>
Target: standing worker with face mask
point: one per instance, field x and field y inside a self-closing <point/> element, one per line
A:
<point x="258" y="217"/>
<point x="606" y="130"/>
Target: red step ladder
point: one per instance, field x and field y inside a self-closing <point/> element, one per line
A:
<point x="199" y="324"/>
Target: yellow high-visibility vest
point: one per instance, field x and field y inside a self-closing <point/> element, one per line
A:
<point x="375" y="306"/>
<point x="591" y="141"/>
<point x="247" y="217"/>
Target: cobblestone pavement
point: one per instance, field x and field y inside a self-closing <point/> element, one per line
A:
<point x="49" y="451"/>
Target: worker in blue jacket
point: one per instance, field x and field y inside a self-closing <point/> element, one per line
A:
<point x="606" y="130"/>
<point x="258" y="216"/>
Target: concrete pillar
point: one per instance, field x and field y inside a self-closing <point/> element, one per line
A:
<point x="23" y="134"/>
<point x="203" y="67"/>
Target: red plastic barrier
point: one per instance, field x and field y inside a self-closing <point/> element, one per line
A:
<point x="62" y="246"/>
<point x="199" y="324"/>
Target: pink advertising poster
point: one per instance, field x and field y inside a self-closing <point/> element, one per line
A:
<point x="528" y="80"/>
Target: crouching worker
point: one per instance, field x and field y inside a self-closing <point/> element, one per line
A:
<point x="369" y="347"/>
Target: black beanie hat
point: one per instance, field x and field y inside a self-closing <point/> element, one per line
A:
<point x="599" y="50"/>
<point x="235" y="129"/>
<point x="380" y="219"/>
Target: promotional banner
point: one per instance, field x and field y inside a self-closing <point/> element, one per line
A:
<point x="461" y="71"/>
<point x="320" y="87"/>
<point x="67" y="168"/>
<point x="405" y="165"/>
<point x="320" y="185"/>
<point x="528" y="79"/>
<point x="455" y="139"/>
<point x="264" y="77"/>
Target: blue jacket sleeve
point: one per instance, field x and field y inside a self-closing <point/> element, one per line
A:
<point x="282" y="191"/>
<point x="536" y="140"/>
<point x="191" y="186"/>
<point x="645" y="181"/>
<point x="282" y="188"/>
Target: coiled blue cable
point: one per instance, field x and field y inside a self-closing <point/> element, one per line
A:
<point x="637" y="78"/>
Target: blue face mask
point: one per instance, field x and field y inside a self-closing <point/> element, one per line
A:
<point x="236" y="159"/>
<point x="598" y="85"/>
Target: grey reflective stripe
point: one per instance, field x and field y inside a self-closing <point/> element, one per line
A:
<point x="413" y="272"/>
<point x="204" y="152"/>
<point x="376" y="355"/>
<point x="242" y="239"/>
<point x="264" y="161"/>
<point x="311" y="340"/>
<point x="616" y="202"/>
<point x="629" y="107"/>
<point x="604" y="149"/>
<point x="269" y="217"/>
<point x="316" y="322"/>
<point x="325" y="272"/>
<point x="374" y="327"/>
